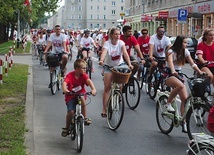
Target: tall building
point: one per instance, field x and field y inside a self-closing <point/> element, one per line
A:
<point x="91" y="14"/>
<point x="188" y="17"/>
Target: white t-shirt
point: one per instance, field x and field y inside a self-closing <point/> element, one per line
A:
<point x="159" y="45"/>
<point x="114" y="55"/>
<point x="41" y="40"/>
<point x="174" y="57"/>
<point x="86" y="42"/>
<point x="57" y="42"/>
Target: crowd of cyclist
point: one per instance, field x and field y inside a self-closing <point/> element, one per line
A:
<point x="114" y="48"/>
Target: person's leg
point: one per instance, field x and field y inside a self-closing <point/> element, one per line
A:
<point x="84" y="53"/>
<point x="107" y="88"/>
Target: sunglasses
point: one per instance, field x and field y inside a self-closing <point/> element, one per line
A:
<point x="145" y="33"/>
<point x="161" y="31"/>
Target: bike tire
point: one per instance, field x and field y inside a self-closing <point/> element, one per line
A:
<point x="201" y="112"/>
<point x="132" y="93"/>
<point x="115" y="110"/>
<point x="165" y="124"/>
<point x="53" y="82"/>
<point x="152" y="87"/>
<point x="72" y="131"/>
<point x="59" y="81"/>
<point x="201" y="149"/>
<point x="89" y="68"/>
<point x="79" y="133"/>
<point x="141" y="78"/>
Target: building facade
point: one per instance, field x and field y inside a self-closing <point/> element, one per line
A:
<point x="187" y="17"/>
<point x="91" y="14"/>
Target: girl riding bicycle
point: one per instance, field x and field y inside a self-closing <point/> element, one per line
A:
<point x="75" y="81"/>
<point x="175" y="59"/>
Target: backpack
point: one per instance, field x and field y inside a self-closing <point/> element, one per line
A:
<point x="210" y="121"/>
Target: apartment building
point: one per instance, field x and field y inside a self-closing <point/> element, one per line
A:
<point x="91" y="14"/>
<point x="188" y="17"/>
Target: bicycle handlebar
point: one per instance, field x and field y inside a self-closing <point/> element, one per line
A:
<point x="77" y="94"/>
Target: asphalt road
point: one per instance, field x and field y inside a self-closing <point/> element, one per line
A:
<point x="137" y="135"/>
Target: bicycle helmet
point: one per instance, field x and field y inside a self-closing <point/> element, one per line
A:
<point x="86" y="31"/>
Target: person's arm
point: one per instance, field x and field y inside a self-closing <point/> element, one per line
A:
<point x="193" y="65"/>
<point x="103" y="55"/>
<point x="48" y="46"/>
<point x="151" y="49"/>
<point x="170" y="62"/>
<point x="91" y="85"/>
<point x="64" y="87"/>
<point x="137" y="48"/>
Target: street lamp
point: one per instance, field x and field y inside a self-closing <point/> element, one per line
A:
<point x="18" y="29"/>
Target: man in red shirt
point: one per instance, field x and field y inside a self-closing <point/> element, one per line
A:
<point x="131" y="41"/>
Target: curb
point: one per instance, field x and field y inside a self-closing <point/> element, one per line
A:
<point x="29" y="106"/>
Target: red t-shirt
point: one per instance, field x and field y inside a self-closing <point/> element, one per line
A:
<point x="206" y="51"/>
<point x="144" y="44"/>
<point x="73" y="82"/>
<point x="129" y="43"/>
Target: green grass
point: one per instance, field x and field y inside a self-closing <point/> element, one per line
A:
<point x="4" y="47"/>
<point x="12" y="111"/>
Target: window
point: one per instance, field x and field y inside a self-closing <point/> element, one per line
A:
<point x="98" y="16"/>
<point x="122" y="8"/>
<point x="104" y="16"/>
<point x="104" y="25"/>
<point x="98" y="8"/>
<point x="91" y="26"/>
<point x="122" y="1"/>
<point x="91" y="16"/>
<point x="80" y="1"/>
<point x="72" y="8"/>
<point x="80" y="17"/>
<point x="79" y="8"/>
<point x="91" y="7"/>
<point x="113" y="3"/>
<point x="113" y="12"/>
<point x="72" y="16"/>
<point x="104" y="8"/>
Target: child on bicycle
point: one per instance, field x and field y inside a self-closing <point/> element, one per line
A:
<point x="75" y="81"/>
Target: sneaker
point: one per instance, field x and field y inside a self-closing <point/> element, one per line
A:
<point x="169" y="108"/>
<point x="65" y="132"/>
<point x="184" y="127"/>
<point x="87" y="121"/>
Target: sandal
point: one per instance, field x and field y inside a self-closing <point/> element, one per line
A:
<point x="87" y="121"/>
<point x="103" y="115"/>
<point x="65" y="132"/>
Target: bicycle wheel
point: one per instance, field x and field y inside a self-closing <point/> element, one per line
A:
<point x="79" y="133"/>
<point x="196" y="119"/>
<point x="53" y="82"/>
<point x="72" y="131"/>
<point x="202" y="150"/>
<point x="89" y="68"/>
<point x="141" y="78"/>
<point x="152" y="87"/>
<point x="59" y="80"/>
<point x="165" y="124"/>
<point x="132" y="93"/>
<point x="115" y="110"/>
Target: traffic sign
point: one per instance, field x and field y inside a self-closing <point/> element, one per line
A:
<point x="182" y="16"/>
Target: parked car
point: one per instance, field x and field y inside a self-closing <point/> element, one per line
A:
<point x="191" y="45"/>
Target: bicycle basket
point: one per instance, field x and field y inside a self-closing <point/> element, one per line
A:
<point x="52" y="60"/>
<point x="198" y="88"/>
<point x="136" y="67"/>
<point x="120" y="77"/>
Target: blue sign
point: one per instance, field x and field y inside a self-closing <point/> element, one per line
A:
<point x="182" y="16"/>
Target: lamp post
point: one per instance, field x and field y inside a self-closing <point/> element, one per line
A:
<point x="143" y="7"/>
<point x="18" y="29"/>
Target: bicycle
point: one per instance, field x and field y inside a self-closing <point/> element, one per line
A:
<point x="201" y="144"/>
<point x="55" y="72"/>
<point x="115" y="104"/>
<point x="41" y="54"/>
<point x="157" y="80"/>
<point x="132" y="89"/>
<point x="143" y="74"/>
<point x="196" y="110"/>
<point x="76" y="128"/>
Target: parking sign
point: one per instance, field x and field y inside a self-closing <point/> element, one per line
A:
<point x="182" y="16"/>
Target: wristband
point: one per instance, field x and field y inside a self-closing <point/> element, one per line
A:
<point x="194" y="65"/>
<point x="142" y="58"/>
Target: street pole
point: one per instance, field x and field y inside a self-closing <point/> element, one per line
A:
<point x="18" y="29"/>
<point x="143" y="5"/>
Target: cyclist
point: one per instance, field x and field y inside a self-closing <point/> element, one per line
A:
<point x="158" y="44"/>
<point x="175" y="59"/>
<point x="143" y="42"/>
<point x="85" y="44"/>
<point x="205" y="53"/>
<point x="58" y="42"/>
<point x="114" y="50"/>
<point x="75" y="81"/>
<point x="130" y="41"/>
